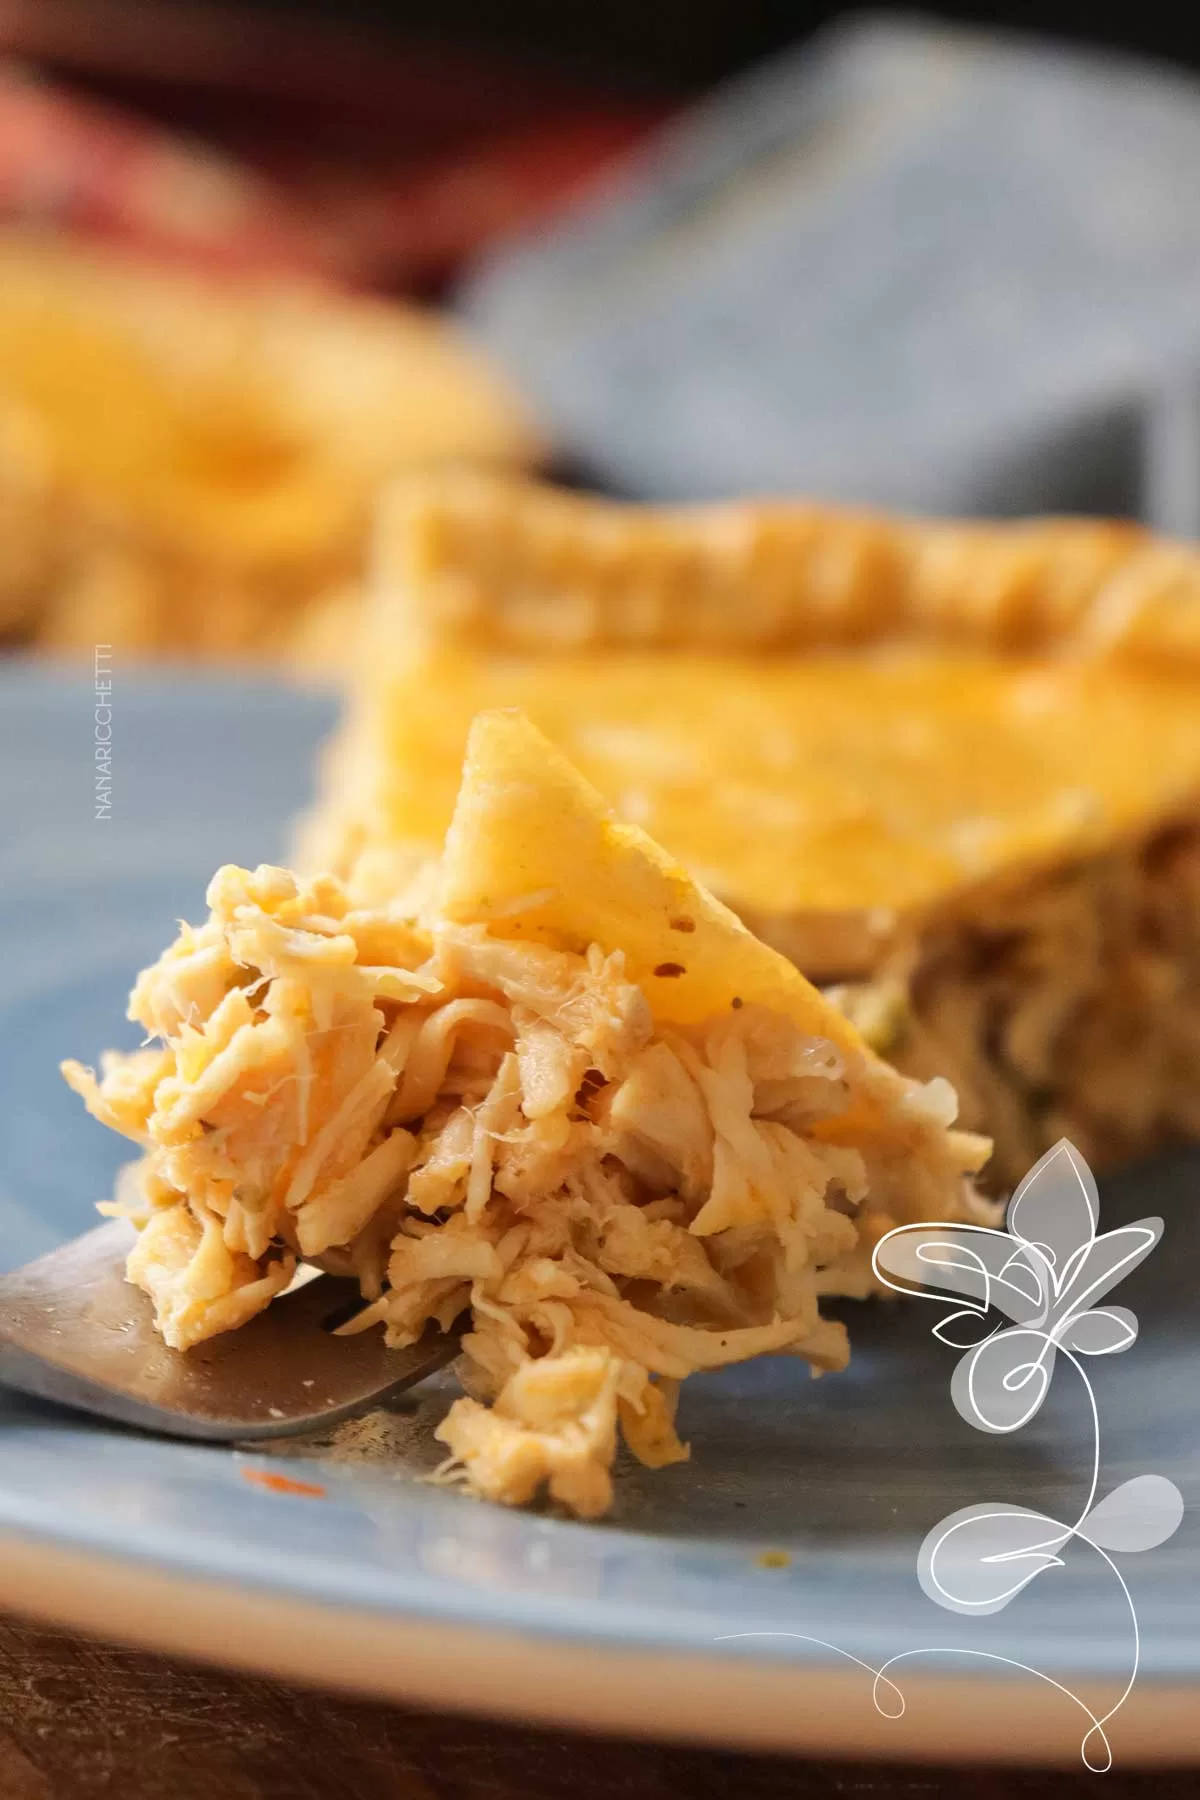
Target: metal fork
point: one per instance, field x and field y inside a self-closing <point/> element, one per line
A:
<point x="73" y="1330"/>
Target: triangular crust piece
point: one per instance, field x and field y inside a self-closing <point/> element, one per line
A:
<point x="535" y="853"/>
<point x="578" y="1101"/>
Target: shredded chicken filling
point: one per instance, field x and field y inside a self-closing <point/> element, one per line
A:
<point x="1067" y="1006"/>
<point x="468" y="1124"/>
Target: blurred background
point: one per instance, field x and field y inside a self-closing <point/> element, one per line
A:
<point x="259" y="258"/>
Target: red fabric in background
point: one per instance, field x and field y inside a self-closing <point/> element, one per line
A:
<point x="255" y="142"/>
<point x="87" y="168"/>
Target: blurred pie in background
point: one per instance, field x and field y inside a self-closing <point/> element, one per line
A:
<point x="189" y="465"/>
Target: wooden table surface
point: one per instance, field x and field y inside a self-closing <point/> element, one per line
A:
<point x="80" y="1719"/>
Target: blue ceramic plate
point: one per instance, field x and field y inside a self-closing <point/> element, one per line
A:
<point x="746" y="1597"/>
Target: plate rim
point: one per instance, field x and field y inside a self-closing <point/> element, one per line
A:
<point x="704" y="1697"/>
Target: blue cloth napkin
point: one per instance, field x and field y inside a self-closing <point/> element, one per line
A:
<point x="907" y="265"/>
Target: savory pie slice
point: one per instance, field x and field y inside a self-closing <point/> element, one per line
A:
<point x="578" y="1099"/>
<point x="187" y="463"/>
<point x="954" y="770"/>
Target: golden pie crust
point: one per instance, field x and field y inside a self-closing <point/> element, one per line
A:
<point x="492" y="564"/>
